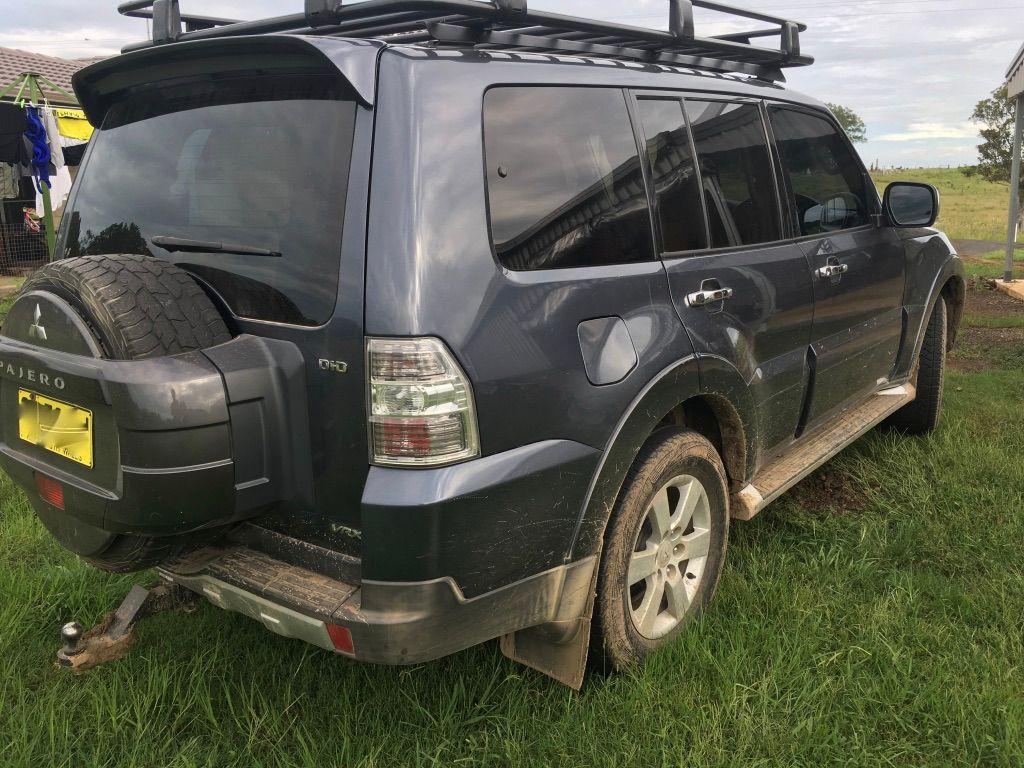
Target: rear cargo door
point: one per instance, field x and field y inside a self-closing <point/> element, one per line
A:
<point x="256" y="185"/>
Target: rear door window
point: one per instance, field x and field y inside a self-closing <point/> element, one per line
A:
<point x="827" y="185"/>
<point x="674" y="175"/>
<point x="257" y="162"/>
<point x="565" y="187"/>
<point x="737" y="179"/>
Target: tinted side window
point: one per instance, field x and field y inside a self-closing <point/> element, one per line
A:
<point x="736" y="173"/>
<point x="564" y="181"/>
<point x="825" y="178"/>
<point x="674" y="174"/>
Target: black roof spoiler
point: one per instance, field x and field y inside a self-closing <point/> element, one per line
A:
<point x="99" y="85"/>
<point x="507" y="25"/>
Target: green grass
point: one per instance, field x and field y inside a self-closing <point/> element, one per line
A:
<point x="971" y="208"/>
<point x="5" y="304"/>
<point x="888" y="636"/>
<point x="993" y="264"/>
<point x="986" y="321"/>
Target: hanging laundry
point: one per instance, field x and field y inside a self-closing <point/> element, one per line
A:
<point x="53" y="139"/>
<point x="13" y="124"/>
<point x="73" y="155"/>
<point x="72" y="124"/>
<point x="36" y="134"/>
<point x="10" y="182"/>
<point x="60" y="187"/>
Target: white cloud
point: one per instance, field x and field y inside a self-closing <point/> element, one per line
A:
<point x="72" y="44"/>
<point x="932" y="131"/>
<point x="912" y="70"/>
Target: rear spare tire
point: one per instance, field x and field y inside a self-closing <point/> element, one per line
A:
<point x="136" y="307"/>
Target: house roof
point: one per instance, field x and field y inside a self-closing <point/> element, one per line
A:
<point x="1015" y="74"/>
<point x="15" y="62"/>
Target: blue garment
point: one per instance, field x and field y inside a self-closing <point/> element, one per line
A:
<point x="36" y="134"/>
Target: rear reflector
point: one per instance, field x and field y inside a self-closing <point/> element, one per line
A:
<point x="50" y="490"/>
<point x="342" y="639"/>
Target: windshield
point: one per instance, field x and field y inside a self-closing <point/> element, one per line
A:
<point x="258" y="163"/>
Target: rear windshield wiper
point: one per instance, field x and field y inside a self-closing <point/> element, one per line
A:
<point x="176" y="244"/>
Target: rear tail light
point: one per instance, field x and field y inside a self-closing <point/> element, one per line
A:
<point x="50" y="491"/>
<point x="421" y="404"/>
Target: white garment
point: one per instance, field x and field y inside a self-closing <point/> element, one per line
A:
<point x="60" y="186"/>
<point x="53" y="138"/>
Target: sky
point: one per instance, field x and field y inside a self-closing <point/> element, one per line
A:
<point x="912" y="69"/>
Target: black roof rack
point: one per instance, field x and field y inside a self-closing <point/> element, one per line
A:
<point x="507" y="25"/>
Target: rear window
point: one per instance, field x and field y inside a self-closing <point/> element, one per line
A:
<point x="260" y="164"/>
<point x="674" y="174"/>
<point x="564" y="181"/>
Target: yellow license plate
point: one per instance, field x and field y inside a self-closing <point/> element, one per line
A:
<point x="56" y="426"/>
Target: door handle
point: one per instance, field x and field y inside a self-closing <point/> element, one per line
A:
<point x="833" y="270"/>
<point x="703" y="298"/>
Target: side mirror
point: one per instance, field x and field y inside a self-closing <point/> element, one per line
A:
<point x="908" y="204"/>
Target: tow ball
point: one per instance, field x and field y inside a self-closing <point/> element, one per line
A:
<point x="114" y="636"/>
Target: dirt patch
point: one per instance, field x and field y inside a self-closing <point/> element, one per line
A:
<point x="978" y="349"/>
<point x="831" y="488"/>
<point x="968" y="365"/>
<point x="10" y="285"/>
<point x="984" y="300"/>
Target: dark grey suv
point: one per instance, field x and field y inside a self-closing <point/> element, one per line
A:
<point x="403" y="326"/>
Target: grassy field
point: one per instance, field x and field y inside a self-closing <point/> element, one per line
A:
<point x="971" y="208"/>
<point x="993" y="264"/>
<point x="872" y="617"/>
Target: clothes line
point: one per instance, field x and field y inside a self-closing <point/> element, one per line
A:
<point x="40" y="142"/>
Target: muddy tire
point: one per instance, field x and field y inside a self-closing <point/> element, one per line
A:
<point x="922" y="415"/>
<point x="137" y="308"/>
<point x="664" y="549"/>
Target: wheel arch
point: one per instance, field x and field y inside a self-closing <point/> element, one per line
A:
<point x="954" y="291"/>
<point x="948" y="281"/>
<point x="714" y="417"/>
<point x="705" y="394"/>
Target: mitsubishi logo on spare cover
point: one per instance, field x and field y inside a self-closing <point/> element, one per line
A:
<point x="37" y="329"/>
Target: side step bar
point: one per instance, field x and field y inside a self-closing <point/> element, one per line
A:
<point x="786" y="470"/>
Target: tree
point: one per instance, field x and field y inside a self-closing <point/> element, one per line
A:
<point x="851" y="122"/>
<point x="995" y="154"/>
<point x="997" y="114"/>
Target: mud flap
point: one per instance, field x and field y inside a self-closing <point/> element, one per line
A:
<point x="559" y="648"/>
<point x="565" y="661"/>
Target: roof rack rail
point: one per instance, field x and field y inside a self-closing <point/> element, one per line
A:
<point x="507" y="25"/>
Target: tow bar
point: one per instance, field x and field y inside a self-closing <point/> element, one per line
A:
<point x="113" y="637"/>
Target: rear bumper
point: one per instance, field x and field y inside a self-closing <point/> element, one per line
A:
<point x="390" y="623"/>
<point x="451" y="557"/>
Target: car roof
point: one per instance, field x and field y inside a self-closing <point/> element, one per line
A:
<point x="97" y="86"/>
<point x="538" y="68"/>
